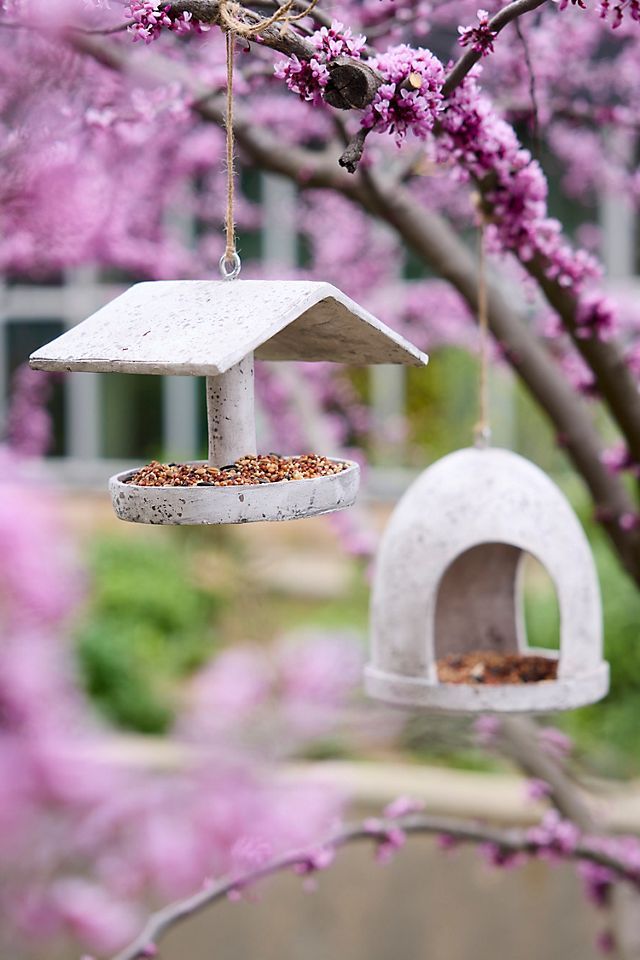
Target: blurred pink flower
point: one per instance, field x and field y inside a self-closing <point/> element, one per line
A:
<point x="318" y="673"/>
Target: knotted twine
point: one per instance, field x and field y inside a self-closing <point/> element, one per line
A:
<point x="233" y="25"/>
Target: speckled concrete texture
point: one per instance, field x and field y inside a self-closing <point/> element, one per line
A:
<point x="284" y="500"/>
<point x="447" y="580"/>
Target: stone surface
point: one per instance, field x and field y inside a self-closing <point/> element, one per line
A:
<point x="230" y="414"/>
<point x="204" y="327"/>
<point x="285" y="500"/>
<point x="447" y="580"/>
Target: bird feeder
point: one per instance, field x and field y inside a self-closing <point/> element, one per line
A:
<point x="216" y="329"/>
<point x="448" y="586"/>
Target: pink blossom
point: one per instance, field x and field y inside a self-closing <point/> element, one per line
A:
<point x="616" y="459"/>
<point x="605" y="942"/>
<point x="597" y="881"/>
<point x="629" y="521"/>
<point x="615" y="11"/>
<point x="319" y="859"/>
<point x="29" y="425"/>
<point x="497" y="856"/>
<point x="537" y="789"/>
<point x="402" y="806"/>
<point x="554" y="742"/>
<point x="230" y="689"/>
<point x="596" y="318"/>
<point x="150" y="18"/>
<point x="317" y="676"/>
<point x="398" y="110"/>
<point x="308" y="78"/>
<point x="337" y="41"/>
<point x="390" y="839"/>
<point x="480" y="38"/>
<point x="554" y="836"/>
<point x="89" y="914"/>
<point x="486" y="729"/>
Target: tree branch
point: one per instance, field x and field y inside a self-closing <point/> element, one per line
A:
<point x="520" y="739"/>
<point x="497" y="23"/>
<point x="353" y="84"/>
<point x="434" y="241"/>
<point x="614" y="379"/>
<point x="431" y="237"/>
<point x="375" y="832"/>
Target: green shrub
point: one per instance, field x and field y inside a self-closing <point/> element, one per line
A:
<point x="147" y="626"/>
<point x="607" y="732"/>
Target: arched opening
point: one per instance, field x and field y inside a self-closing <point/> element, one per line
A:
<point x="478" y="605"/>
<point x="541" y="609"/>
<point x="480" y="609"/>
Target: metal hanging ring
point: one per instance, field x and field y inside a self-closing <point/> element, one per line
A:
<point x="482" y="436"/>
<point x="230" y="266"/>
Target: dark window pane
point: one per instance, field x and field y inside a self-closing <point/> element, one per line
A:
<point x="55" y="279"/>
<point x="132" y="416"/>
<point x="23" y="337"/>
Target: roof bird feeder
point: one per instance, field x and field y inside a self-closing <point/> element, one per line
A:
<point x="215" y="329"/>
<point x="448" y="585"/>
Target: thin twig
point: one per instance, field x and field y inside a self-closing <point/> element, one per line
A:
<point x="376" y="832"/>
<point x="502" y="19"/>
<point x="535" y="113"/>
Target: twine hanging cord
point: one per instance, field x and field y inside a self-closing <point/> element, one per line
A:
<point x="482" y="430"/>
<point x="233" y="25"/>
<point x="231" y="19"/>
<point x="230" y="261"/>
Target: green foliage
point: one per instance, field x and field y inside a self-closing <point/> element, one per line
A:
<point x="607" y="732"/>
<point x="441" y="408"/>
<point x="147" y="626"/>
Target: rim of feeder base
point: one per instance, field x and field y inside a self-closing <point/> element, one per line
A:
<point x="544" y="696"/>
<point x="246" y="503"/>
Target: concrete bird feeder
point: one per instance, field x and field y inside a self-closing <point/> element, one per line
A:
<point x="448" y="584"/>
<point x="215" y="329"/>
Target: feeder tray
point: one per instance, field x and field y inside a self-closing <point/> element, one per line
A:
<point x="279" y="500"/>
<point x="215" y="329"/>
<point x="448" y="588"/>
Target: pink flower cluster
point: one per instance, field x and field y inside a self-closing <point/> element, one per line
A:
<point x="608" y="10"/>
<point x="555" y="743"/>
<point x="616" y="11"/>
<point x="29" y="426"/>
<point x="409" y="99"/>
<point x="598" y="879"/>
<point x="487" y="150"/>
<point x="554" y="837"/>
<point x="480" y="38"/>
<point x="114" y="838"/>
<point x="595" y="317"/>
<point x="399" y="106"/>
<point x="150" y="18"/>
<point x="337" y="41"/>
<point x="308" y="78"/>
<point x="617" y="459"/>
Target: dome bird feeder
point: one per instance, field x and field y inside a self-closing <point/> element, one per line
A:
<point x="215" y="329"/>
<point x="448" y="585"/>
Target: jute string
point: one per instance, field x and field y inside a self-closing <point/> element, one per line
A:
<point x="482" y="430"/>
<point x="230" y="253"/>
<point x="231" y="17"/>
<point x="233" y="25"/>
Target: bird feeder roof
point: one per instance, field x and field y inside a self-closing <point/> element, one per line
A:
<point x="204" y="327"/>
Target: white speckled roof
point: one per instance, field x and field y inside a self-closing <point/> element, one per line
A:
<point x="204" y="327"/>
